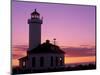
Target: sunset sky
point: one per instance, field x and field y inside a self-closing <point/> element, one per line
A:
<point x="72" y="25"/>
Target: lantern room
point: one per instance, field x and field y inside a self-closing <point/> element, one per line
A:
<point x="35" y="14"/>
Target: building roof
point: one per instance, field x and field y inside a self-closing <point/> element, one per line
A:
<point x="23" y="58"/>
<point x="35" y="13"/>
<point x="46" y="47"/>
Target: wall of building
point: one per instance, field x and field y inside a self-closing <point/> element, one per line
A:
<point x="47" y="61"/>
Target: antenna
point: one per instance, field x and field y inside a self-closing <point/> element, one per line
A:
<point x="54" y="41"/>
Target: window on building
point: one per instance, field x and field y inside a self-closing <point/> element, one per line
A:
<point x="32" y="16"/>
<point x="41" y="61"/>
<point x="51" y="60"/>
<point x="61" y="60"/>
<point x="33" y="62"/>
<point x="56" y="61"/>
<point x="24" y="63"/>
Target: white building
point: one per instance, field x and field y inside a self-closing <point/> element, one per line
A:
<point x="45" y="56"/>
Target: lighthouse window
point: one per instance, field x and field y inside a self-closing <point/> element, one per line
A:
<point x="33" y="62"/>
<point x="36" y="16"/>
<point x="32" y="16"/>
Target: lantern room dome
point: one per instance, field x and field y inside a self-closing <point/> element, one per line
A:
<point x="35" y="13"/>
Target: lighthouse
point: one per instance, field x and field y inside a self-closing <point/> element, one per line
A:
<point x="34" y="30"/>
<point x="43" y="56"/>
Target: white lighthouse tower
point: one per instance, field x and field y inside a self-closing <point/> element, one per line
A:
<point x="34" y="30"/>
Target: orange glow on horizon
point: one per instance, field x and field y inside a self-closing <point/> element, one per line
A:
<point x="15" y="62"/>
<point x="70" y="60"/>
